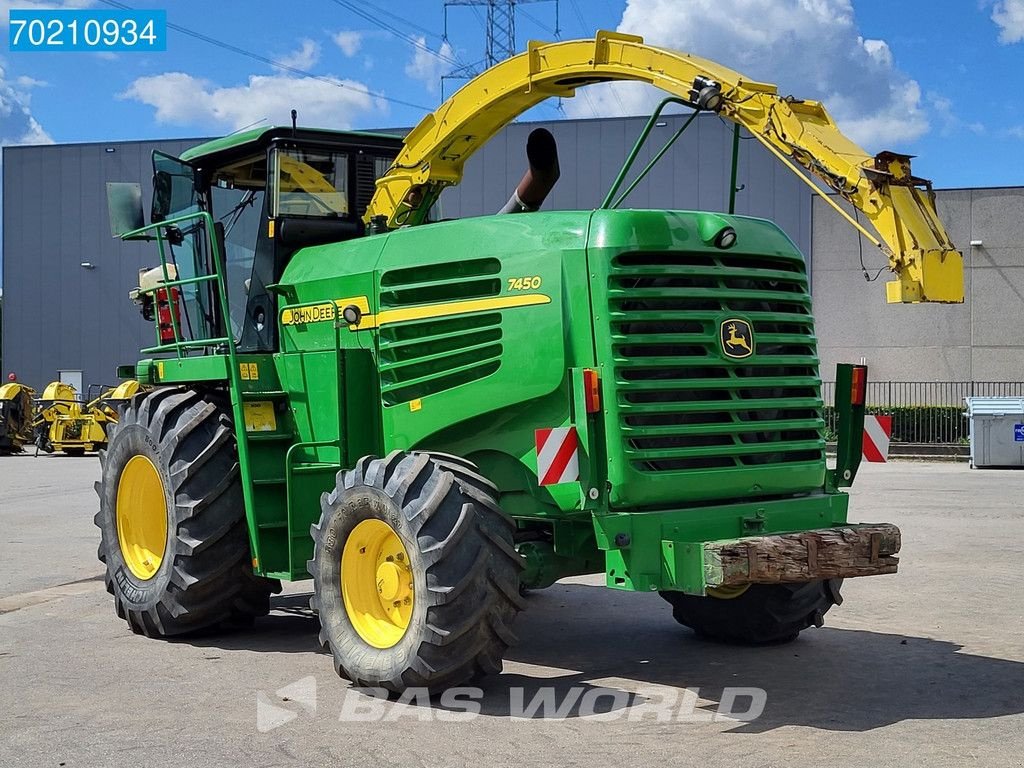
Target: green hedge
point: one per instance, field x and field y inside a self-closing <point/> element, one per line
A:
<point x="939" y="424"/>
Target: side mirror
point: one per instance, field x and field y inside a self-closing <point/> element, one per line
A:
<point x="124" y="204"/>
<point x="161" y="196"/>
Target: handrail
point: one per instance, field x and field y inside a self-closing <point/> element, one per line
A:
<point x="216" y="275"/>
<point x="159" y="229"/>
<point x="651" y="122"/>
<point x="288" y="480"/>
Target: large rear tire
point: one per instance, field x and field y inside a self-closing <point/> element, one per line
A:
<point x="416" y="578"/>
<point x="761" y="614"/>
<point x="172" y="518"/>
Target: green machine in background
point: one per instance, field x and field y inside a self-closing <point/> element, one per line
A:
<point x="431" y="419"/>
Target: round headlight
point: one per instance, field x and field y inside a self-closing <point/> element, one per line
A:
<point x="726" y="238"/>
<point x="710" y="98"/>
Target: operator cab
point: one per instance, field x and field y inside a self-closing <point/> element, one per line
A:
<point x="269" y="192"/>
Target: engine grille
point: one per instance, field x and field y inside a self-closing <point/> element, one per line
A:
<point x="682" y="404"/>
<point x="423" y="358"/>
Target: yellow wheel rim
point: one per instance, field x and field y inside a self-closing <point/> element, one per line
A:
<point x="141" y="515"/>
<point x="376" y="583"/>
<point x="727" y="593"/>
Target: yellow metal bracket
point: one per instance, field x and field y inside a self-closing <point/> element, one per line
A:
<point x="801" y="133"/>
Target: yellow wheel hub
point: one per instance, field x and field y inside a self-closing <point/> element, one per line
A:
<point x="727" y="593"/>
<point x="376" y="583"/>
<point x="141" y="516"/>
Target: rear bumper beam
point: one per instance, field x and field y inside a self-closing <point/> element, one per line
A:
<point x="841" y="552"/>
<point x="775" y="542"/>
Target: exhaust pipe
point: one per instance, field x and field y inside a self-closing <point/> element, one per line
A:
<point x="540" y="177"/>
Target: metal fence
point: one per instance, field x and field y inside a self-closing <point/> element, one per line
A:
<point x="931" y="412"/>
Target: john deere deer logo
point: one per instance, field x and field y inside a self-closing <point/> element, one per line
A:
<point x="737" y="338"/>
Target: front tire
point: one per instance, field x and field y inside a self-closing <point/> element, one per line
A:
<point x="172" y="518"/>
<point x="761" y="614"/>
<point x="416" y="578"/>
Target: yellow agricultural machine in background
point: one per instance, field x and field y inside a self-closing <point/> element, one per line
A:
<point x="72" y="426"/>
<point x="15" y="416"/>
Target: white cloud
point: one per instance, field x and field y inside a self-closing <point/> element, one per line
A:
<point x="349" y="41"/>
<point x="25" y="82"/>
<point x="17" y="124"/>
<point x="38" y="5"/>
<point x="1009" y="17"/>
<point x="1016" y="132"/>
<point x="428" y="65"/>
<point x="949" y="121"/>
<point x="186" y="100"/>
<point x="307" y="54"/>
<point x="810" y="48"/>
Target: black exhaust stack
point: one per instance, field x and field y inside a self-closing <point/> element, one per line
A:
<point x="540" y="177"/>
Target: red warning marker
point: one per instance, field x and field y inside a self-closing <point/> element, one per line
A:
<point x="877" y="433"/>
<point x="558" y="455"/>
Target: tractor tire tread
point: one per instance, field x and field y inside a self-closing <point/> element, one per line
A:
<point x="764" y="614"/>
<point x="464" y="545"/>
<point x="209" y="579"/>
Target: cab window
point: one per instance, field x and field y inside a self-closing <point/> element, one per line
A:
<point x="310" y="182"/>
<point x="237" y="196"/>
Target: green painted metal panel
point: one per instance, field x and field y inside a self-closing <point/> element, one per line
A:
<point x="503" y="354"/>
<point x="686" y="421"/>
<point x="471" y="335"/>
<point x="471" y="351"/>
<point x="663" y="550"/>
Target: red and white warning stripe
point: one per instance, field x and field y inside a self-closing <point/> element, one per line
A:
<point x="877" y="431"/>
<point x="558" y="455"/>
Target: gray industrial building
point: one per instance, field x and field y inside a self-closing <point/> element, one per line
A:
<point x="66" y="281"/>
<point x="978" y="341"/>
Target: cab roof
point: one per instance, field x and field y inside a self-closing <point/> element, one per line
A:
<point x="257" y="137"/>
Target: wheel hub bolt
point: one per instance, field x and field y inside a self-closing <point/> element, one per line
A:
<point x="391" y="584"/>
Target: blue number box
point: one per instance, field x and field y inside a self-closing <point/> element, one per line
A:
<point x="87" y="30"/>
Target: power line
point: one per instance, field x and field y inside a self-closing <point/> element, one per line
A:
<point x="499" y="32"/>
<point x="556" y="31"/>
<point x="611" y="86"/>
<point x="271" y="62"/>
<point x="500" y="27"/>
<point x="397" y="32"/>
<point x="402" y="19"/>
<point x="479" y="18"/>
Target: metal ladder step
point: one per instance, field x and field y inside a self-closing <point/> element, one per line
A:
<point x="299" y="469"/>
<point x="267" y="395"/>
<point x="268" y="437"/>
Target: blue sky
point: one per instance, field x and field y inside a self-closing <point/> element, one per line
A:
<point x="941" y="80"/>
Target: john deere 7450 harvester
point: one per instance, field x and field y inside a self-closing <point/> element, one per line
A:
<point x="427" y="417"/>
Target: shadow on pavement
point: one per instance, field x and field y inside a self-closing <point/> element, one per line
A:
<point x="598" y="640"/>
<point x="291" y="627"/>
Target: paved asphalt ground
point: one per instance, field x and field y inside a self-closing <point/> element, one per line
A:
<point x="922" y="668"/>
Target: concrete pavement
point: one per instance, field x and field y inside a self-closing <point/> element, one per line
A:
<point x="922" y="668"/>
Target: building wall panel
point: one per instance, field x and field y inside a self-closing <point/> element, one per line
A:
<point x="58" y="314"/>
